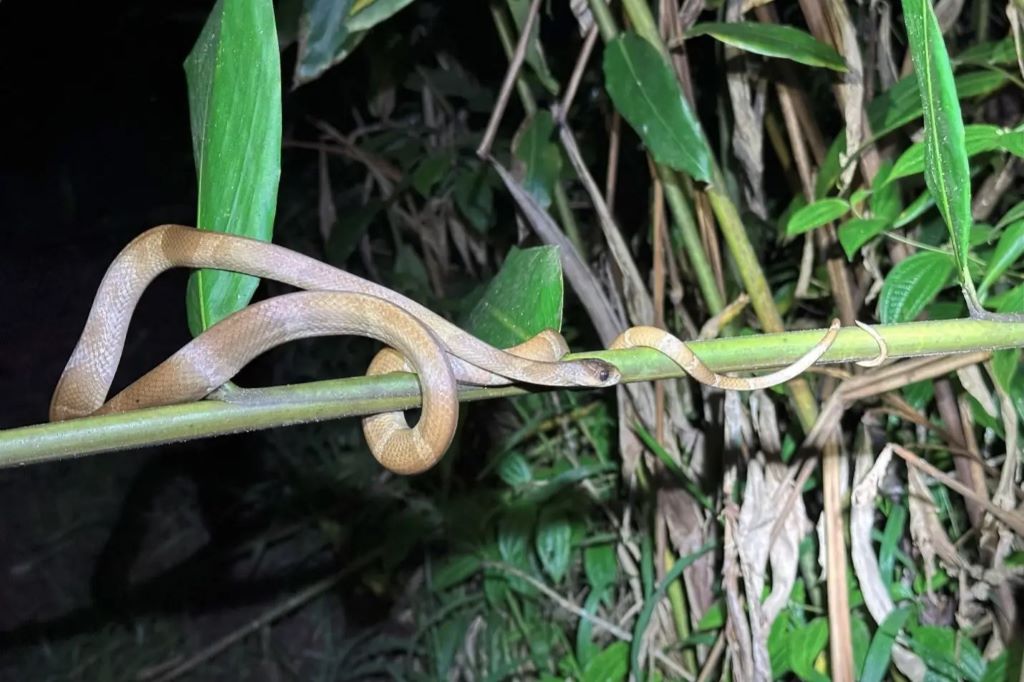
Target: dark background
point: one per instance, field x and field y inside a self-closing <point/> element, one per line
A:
<point x="95" y="149"/>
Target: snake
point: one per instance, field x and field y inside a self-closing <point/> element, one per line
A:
<point x="334" y="302"/>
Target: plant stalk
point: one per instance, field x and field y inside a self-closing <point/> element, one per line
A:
<point x="322" y="400"/>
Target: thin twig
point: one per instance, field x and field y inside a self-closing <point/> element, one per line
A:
<point x="484" y="150"/>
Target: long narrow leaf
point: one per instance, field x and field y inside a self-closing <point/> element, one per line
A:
<point x="773" y="40"/>
<point x="234" y="93"/>
<point x="947" y="173"/>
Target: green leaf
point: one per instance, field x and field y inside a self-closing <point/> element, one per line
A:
<point x="947" y="172"/>
<point x="600" y="566"/>
<point x="644" y="617"/>
<point x="1008" y="250"/>
<point x="977" y="140"/>
<point x="912" y="285"/>
<point x="365" y="14"/>
<point x="585" y="647"/>
<point x="554" y="542"/>
<point x="525" y="298"/>
<point x="540" y="156"/>
<point x="886" y="201"/>
<point x="645" y="91"/>
<point x="234" y="96"/>
<point x="855" y="233"/>
<point x="897" y="106"/>
<point x="323" y="28"/>
<point x="610" y="665"/>
<point x="773" y="40"/>
<point x="514" y="470"/>
<point x="947" y="653"/>
<point x="991" y="53"/>
<point x="455" y="569"/>
<point x="806" y="643"/>
<point x="880" y="652"/>
<point x="474" y="196"/>
<point x="814" y="215"/>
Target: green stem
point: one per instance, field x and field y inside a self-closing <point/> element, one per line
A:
<point x="359" y="396"/>
<point x="679" y="207"/>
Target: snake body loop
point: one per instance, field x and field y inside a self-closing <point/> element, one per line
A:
<point x="338" y="303"/>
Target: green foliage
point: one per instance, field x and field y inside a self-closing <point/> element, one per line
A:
<point x="234" y="93"/>
<point x="647" y="95"/>
<point x="772" y="40"/>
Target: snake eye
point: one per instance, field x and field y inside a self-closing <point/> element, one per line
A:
<point x="604" y="375"/>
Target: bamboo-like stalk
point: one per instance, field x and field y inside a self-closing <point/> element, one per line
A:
<point x="322" y="400"/>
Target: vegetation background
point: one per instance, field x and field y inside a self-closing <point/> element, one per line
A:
<point x="593" y="536"/>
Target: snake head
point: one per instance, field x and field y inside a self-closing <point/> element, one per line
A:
<point x="594" y="373"/>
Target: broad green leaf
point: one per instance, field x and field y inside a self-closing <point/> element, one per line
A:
<point x="534" y="52"/>
<point x="514" y="470"/>
<point x="525" y="298"/>
<point x="645" y="91"/>
<point x="806" y="643"/>
<point x="1008" y="250"/>
<point x="912" y="285"/>
<point x="947" y="652"/>
<point x="323" y="28"/>
<point x="947" y="172"/>
<point x="234" y="96"/>
<point x="855" y="233"/>
<point x="814" y="215"/>
<point x="880" y="652"/>
<point x="541" y="157"/>
<point x="977" y="139"/>
<point x="610" y="665"/>
<point x="600" y="566"/>
<point x="773" y="40"/>
<point x="554" y="542"/>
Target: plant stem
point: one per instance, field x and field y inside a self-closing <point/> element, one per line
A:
<point x="359" y="396"/>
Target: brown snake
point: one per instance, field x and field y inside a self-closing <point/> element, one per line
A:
<point x="337" y="303"/>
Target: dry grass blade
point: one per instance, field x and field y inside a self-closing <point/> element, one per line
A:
<point x="868" y="478"/>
